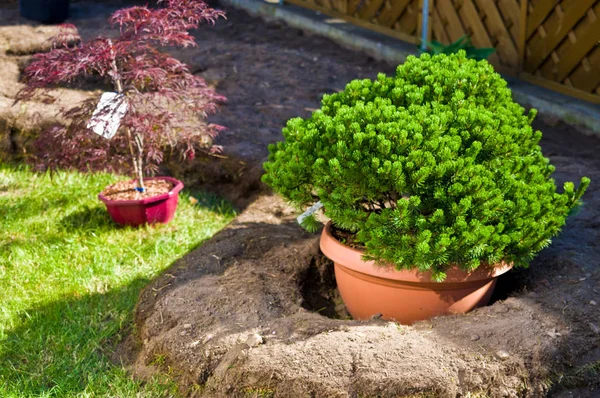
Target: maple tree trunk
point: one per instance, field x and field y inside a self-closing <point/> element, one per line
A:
<point x="137" y="160"/>
<point x="140" y="160"/>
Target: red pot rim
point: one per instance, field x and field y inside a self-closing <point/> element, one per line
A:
<point x="352" y="258"/>
<point x="177" y="187"/>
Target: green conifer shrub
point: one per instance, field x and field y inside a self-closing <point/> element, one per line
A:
<point x="433" y="167"/>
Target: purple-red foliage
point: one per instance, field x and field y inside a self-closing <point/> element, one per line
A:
<point x="168" y="105"/>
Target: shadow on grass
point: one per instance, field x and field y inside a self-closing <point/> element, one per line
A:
<point x="63" y="348"/>
<point x="86" y="217"/>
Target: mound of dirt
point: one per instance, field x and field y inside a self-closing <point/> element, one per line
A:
<point x="21" y="123"/>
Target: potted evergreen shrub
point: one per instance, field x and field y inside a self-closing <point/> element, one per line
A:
<point x="434" y="183"/>
<point x="157" y="105"/>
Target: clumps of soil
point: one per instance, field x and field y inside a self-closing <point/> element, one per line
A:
<point x="127" y="190"/>
<point x="25" y="39"/>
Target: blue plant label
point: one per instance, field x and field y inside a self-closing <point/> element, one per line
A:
<point x="107" y="116"/>
<point x="309" y="212"/>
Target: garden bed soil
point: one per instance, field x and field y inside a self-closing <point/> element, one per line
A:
<point x="126" y="190"/>
<point x="254" y="311"/>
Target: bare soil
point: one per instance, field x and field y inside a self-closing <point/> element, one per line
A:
<point x="126" y="190"/>
<point x="255" y="312"/>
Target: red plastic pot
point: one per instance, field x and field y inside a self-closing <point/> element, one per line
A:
<point x="405" y="296"/>
<point x="157" y="209"/>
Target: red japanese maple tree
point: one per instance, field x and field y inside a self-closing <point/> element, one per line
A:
<point x="167" y="105"/>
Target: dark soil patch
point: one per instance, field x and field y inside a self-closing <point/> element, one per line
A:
<point x="319" y="290"/>
<point x="270" y="73"/>
<point x="128" y="190"/>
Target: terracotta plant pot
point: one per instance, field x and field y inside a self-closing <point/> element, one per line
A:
<point x="157" y="209"/>
<point x="404" y="296"/>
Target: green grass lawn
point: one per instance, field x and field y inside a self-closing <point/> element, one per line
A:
<point x="69" y="279"/>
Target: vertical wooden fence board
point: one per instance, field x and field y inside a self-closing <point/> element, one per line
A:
<point x="391" y="16"/>
<point x="368" y="10"/>
<point x="587" y="74"/>
<point x="496" y="29"/>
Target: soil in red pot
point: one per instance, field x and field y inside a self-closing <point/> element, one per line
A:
<point x="126" y="190"/>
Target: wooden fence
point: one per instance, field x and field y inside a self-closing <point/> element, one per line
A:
<point x="553" y="43"/>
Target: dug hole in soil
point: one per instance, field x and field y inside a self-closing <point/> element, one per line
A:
<point x="254" y="311"/>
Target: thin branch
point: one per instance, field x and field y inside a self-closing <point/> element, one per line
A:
<point x="133" y="157"/>
<point x="115" y="71"/>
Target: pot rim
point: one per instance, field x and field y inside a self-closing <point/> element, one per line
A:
<point x="177" y="187"/>
<point x="351" y="258"/>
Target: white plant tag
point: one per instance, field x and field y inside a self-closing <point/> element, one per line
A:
<point x="309" y="212"/>
<point x="107" y="116"/>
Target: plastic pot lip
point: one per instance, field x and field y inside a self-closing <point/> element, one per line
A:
<point x="351" y="258"/>
<point x="177" y="187"/>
